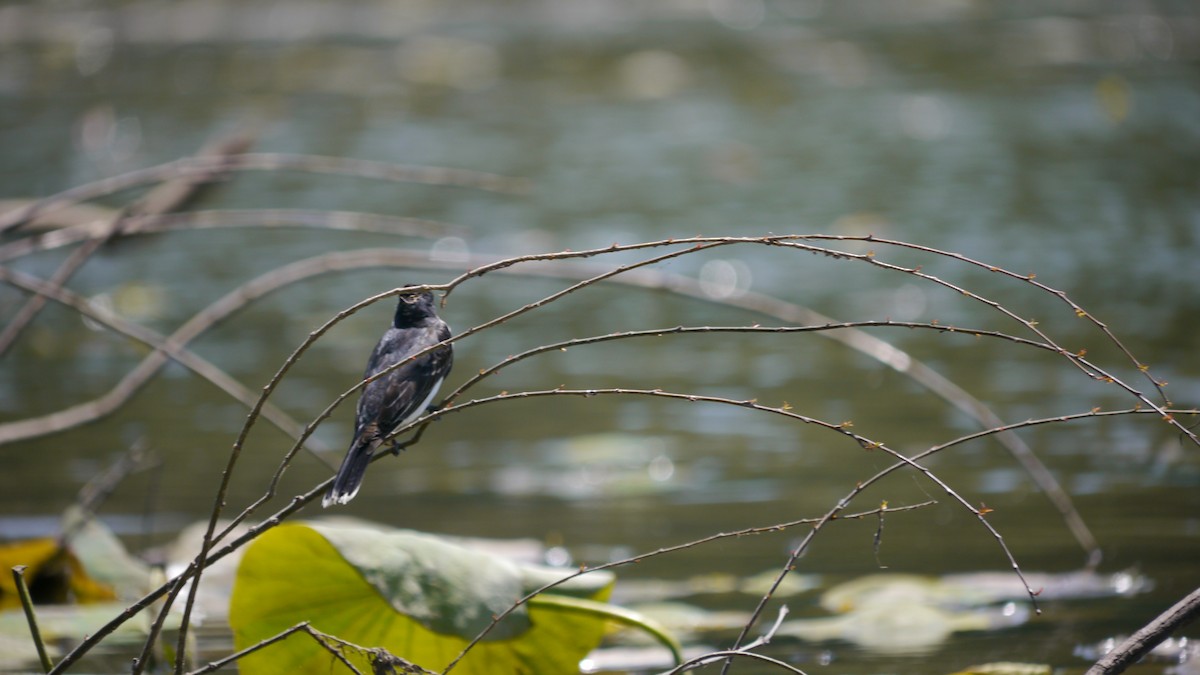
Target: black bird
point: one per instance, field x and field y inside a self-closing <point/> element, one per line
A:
<point x="400" y="396"/>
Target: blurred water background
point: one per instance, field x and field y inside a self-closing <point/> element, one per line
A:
<point x="1059" y="138"/>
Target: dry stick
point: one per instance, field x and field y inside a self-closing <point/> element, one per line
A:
<point x="263" y="218"/>
<point x="192" y="166"/>
<point x="665" y="550"/>
<point x="218" y="311"/>
<point x="1149" y="636"/>
<point x="731" y="654"/>
<point x="166" y="197"/>
<point x="862" y="342"/>
<point x="833" y="513"/>
<point x="210" y="538"/>
<point x="343" y="260"/>
<point x="18" y="574"/>
<point x="614" y="248"/>
<point x="682" y="330"/>
<point x="843" y="429"/>
<point x="503" y="264"/>
<point x="235" y="453"/>
<point x="1075" y="359"/>
<point x="100" y="486"/>
<point x="220" y="663"/>
<point x="68" y="216"/>
<point x="300" y="501"/>
<point x="1061" y="295"/>
<point x="940" y="386"/>
<point x="322" y="639"/>
<point x="907" y="365"/>
<point x="29" y="311"/>
<point x="165" y="348"/>
<point x="614" y="336"/>
<point x="1057" y="496"/>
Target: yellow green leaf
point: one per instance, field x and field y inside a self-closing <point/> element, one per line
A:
<point x="417" y="596"/>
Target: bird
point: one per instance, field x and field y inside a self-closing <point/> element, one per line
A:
<point x="400" y="396"/>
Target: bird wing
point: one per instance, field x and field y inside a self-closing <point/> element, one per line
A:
<point x="404" y="393"/>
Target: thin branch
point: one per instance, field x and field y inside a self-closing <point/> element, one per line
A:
<point x="299" y="351"/>
<point x="861" y="486"/>
<point x="166" y="197"/>
<point x="697" y="243"/>
<point x="1149" y="636"/>
<point x="101" y="485"/>
<point x="346" y="221"/>
<point x="1031" y="279"/>
<point x="766" y="637"/>
<point x="278" y="637"/>
<point x="864" y="442"/>
<point x="199" y="166"/>
<point x="18" y="574"/>
<point x="862" y="342"/>
<point x="1076" y="359"/>
<point x="857" y="340"/>
<point x="210" y="536"/>
<point x="33" y="305"/>
<point x="235" y="453"/>
<point x="165" y="349"/>
<point x="585" y="569"/>
<point x="730" y="654"/>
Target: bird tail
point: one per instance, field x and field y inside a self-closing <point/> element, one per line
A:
<point x="350" y="476"/>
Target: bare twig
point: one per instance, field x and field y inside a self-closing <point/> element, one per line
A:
<point x="350" y="221"/>
<point x="1061" y="295"/>
<point x="100" y="486"/>
<point x="329" y="643"/>
<point x="766" y="637"/>
<point x="864" y="442"/>
<point x="855" y="339"/>
<point x="267" y="642"/>
<point x="626" y="272"/>
<point x="18" y="573"/>
<point x="165" y="348"/>
<point x="166" y="197"/>
<point x="779" y="527"/>
<point x="200" y="166"/>
<point x="730" y="654"/>
<point x="65" y="271"/>
<point x="235" y="453"/>
<point x="1149" y="636"/>
<point x="1074" y="358"/>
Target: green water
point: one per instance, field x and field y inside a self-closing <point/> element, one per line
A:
<point x="1059" y="140"/>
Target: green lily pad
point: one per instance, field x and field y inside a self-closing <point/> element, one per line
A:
<point x="63" y="626"/>
<point x="419" y="597"/>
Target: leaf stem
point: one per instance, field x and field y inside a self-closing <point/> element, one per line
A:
<point x="615" y="613"/>
<point x="18" y="573"/>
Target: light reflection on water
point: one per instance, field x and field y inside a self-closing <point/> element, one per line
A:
<point x="1058" y="145"/>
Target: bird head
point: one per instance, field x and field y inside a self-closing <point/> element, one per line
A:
<point x="412" y="307"/>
